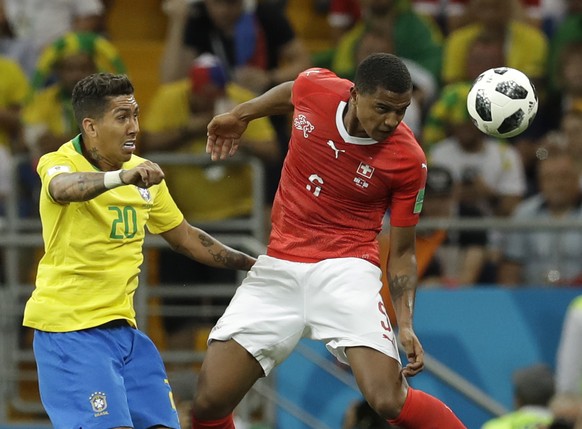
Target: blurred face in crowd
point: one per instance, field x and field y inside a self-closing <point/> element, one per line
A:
<point x="484" y="55"/>
<point x="225" y="13"/>
<point x="203" y="98"/>
<point x="73" y="68"/>
<point x="372" y="43"/>
<point x="572" y="70"/>
<point x="469" y="137"/>
<point x="559" y="182"/>
<point x="376" y="7"/>
<point x="492" y="13"/>
<point x="572" y="128"/>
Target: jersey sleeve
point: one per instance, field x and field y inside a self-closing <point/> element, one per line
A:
<point x="165" y="214"/>
<point x="51" y="165"/>
<point x="408" y="196"/>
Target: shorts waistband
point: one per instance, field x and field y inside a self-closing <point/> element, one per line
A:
<point x="117" y="323"/>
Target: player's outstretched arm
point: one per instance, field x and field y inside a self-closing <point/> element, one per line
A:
<point x="225" y="131"/>
<point x="402" y="280"/>
<point x="75" y="187"/>
<point x="202" y="247"/>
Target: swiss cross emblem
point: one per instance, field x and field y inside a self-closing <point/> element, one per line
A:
<point x="365" y="170"/>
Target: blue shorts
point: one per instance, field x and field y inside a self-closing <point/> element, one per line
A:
<point x="102" y="378"/>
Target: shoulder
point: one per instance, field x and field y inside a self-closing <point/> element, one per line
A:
<point x="463" y="34"/>
<point x="446" y="146"/>
<point x="320" y="79"/>
<point x="526" y="31"/>
<point x="173" y="89"/>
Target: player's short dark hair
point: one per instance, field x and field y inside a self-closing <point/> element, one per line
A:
<point x="384" y="71"/>
<point x="91" y="94"/>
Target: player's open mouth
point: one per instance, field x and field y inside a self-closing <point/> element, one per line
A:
<point x="129" y="146"/>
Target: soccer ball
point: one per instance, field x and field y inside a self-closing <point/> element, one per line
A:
<point x="502" y="102"/>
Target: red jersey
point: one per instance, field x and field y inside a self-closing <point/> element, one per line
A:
<point x="335" y="188"/>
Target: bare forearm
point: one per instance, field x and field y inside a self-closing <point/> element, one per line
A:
<point x="202" y="247"/>
<point x="276" y="101"/>
<point x="76" y="187"/>
<point x="402" y="282"/>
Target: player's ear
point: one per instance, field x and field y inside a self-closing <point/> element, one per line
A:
<point x="353" y="94"/>
<point x="89" y="127"/>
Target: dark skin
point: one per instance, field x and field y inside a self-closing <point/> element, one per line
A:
<point x="229" y="371"/>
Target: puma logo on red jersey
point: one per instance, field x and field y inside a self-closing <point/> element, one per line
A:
<point x="336" y="150"/>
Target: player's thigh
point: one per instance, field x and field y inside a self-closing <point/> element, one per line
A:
<point x="146" y="383"/>
<point x="374" y="371"/>
<point x="266" y="314"/>
<point x="80" y="380"/>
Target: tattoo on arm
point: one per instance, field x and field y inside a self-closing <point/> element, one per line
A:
<point x="398" y="285"/>
<point x="77" y="187"/>
<point x="227" y="257"/>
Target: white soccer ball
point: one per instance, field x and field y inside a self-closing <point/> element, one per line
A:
<point x="502" y="102"/>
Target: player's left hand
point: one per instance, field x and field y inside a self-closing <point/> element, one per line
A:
<point x="224" y="133"/>
<point x="414" y="352"/>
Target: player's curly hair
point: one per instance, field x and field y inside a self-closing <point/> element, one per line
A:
<point x="385" y="71"/>
<point x="91" y="94"/>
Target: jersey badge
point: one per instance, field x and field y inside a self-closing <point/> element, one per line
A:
<point x="361" y="182"/>
<point x="336" y="150"/>
<point x="59" y="169"/>
<point x="419" y="202"/>
<point x="301" y="123"/>
<point x="145" y="194"/>
<point x="365" y="170"/>
<point x="98" y="402"/>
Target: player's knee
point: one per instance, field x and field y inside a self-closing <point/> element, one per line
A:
<point x="388" y="405"/>
<point x="210" y="407"/>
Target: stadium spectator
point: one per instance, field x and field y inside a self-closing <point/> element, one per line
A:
<point x="444" y="258"/>
<point x="525" y="46"/>
<point x="533" y="388"/>
<point x="568" y="31"/>
<point x="176" y="122"/>
<point x="31" y="25"/>
<point x="484" y="53"/>
<point x="406" y="34"/>
<point x="257" y="45"/>
<point x="14" y="89"/>
<point x="489" y="171"/>
<point x="48" y="116"/>
<point x="568" y="362"/>
<point x="320" y="276"/>
<point x="546" y="257"/>
<point x="458" y="257"/>
<point x="97" y="200"/>
<point x="568" y="137"/>
<point x="567" y="94"/>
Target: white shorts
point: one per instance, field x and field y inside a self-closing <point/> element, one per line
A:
<point x="336" y="301"/>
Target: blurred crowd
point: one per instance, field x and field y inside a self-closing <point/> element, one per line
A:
<point x="217" y="53"/>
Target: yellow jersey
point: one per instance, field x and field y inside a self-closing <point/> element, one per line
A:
<point x="93" y="249"/>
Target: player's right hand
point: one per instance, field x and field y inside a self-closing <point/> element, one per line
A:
<point x="414" y="352"/>
<point x="224" y="133"/>
<point x="144" y="175"/>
